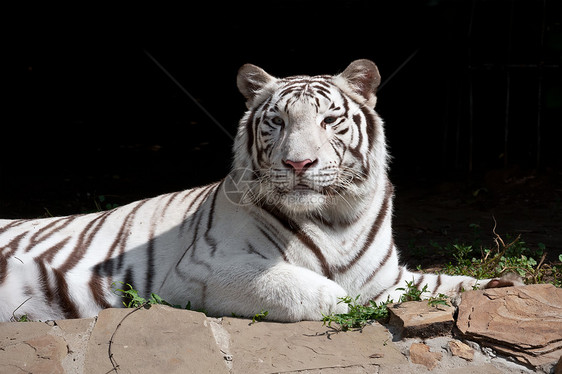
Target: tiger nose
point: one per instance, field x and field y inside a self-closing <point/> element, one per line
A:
<point x="299" y="166"/>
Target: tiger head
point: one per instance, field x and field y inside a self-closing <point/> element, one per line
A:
<point x="310" y="144"/>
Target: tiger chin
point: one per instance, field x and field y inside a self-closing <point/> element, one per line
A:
<point x="303" y="219"/>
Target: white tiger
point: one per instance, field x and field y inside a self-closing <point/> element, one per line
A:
<point x="303" y="219"/>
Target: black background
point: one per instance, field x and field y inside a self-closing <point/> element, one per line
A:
<point x="87" y="113"/>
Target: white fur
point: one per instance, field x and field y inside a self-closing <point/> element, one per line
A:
<point x="265" y="238"/>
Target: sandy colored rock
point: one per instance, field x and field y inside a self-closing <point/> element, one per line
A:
<point x="524" y="322"/>
<point x="420" y="354"/>
<point x="462" y="350"/>
<point x="76" y="334"/>
<point x="295" y="347"/>
<point x="159" y="340"/>
<point x="28" y="348"/>
<point x="163" y="339"/>
<point x="419" y="319"/>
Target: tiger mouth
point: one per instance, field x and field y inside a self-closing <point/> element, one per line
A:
<point x="303" y="187"/>
<point x="299" y="189"/>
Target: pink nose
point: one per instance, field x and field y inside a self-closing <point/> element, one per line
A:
<point x="299" y="166"/>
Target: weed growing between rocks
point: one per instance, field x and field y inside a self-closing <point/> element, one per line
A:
<point x="359" y="315"/>
<point x="131" y="298"/>
<point x="20" y="318"/>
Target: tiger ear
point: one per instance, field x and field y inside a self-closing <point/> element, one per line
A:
<point x="251" y="80"/>
<point x="363" y="78"/>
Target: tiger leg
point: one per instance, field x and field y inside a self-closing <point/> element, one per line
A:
<point x="449" y="285"/>
<point x="287" y="292"/>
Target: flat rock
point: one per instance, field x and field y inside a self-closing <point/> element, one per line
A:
<point x="159" y="340"/>
<point x="419" y="319"/>
<point x="523" y="322"/>
<point x="420" y="354"/>
<point x="27" y="347"/>
<point x="462" y="350"/>
<point x="269" y="347"/>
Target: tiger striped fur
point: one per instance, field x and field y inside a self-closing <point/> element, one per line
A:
<point x="303" y="218"/>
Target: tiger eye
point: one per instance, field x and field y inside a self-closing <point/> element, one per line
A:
<point x="329" y="120"/>
<point x="278" y="121"/>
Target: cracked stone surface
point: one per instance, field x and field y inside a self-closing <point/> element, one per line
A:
<point x="295" y="347"/>
<point x="163" y="339"/>
<point x="155" y="340"/>
<point x="29" y="348"/>
<point x="523" y="322"/>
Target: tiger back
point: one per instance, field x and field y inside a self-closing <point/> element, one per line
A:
<point x="303" y="219"/>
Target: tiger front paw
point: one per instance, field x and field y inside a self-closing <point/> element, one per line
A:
<point x="311" y="299"/>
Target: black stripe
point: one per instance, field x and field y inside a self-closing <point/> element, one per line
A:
<point x="375" y="227"/>
<point x="371" y="125"/>
<point x="12" y="224"/>
<point x="419" y="282"/>
<point x="250" y="132"/>
<point x="120" y="241"/>
<point x="84" y="241"/>
<point x="44" y="282"/>
<point x="169" y="202"/>
<point x="292" y="226"/>
<point x="342" y="131"/>
<point x="47" y="256"/>
<point x="68" y="307"/>
<point x="97" y="288"/>
<point x="47" y="231"/>
<point x="212" y="242"/>
<point x="398" y="277"/>
<point x="277" y="246"/>
<point x="438" y="282"/>
<point x="381" y="264"/>
<point x="150" y="248"/>
<point x="396" y="281"/>
<point x="203" y="194"/>
<point x="252" y="250"/>
<point x="336" y="145"/>
<point x="13" y="246"/>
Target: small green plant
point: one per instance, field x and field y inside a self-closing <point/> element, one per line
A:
<point x="411" y="292"/>
<point x="22" y="318"/>
<point x="133" y="300"/>
<point x="258" y="317"/>
<point x="440" y="299"/>
<point x="358" y="315"/>
<point x="131" y="296"/>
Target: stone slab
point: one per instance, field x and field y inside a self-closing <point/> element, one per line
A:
<point x="270" y="347"/>
<point x="159" y="340"/>
<point x="27" y="347"/>
<point x="524" y="322"/>
<point x="419" y="319"/>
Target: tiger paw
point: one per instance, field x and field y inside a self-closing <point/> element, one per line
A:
<point x="310" y="298"/>
<point x="507" y="280"/>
